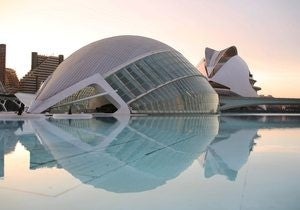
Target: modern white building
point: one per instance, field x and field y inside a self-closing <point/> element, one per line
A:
<point x="126" y="74"/>
<point x="228" y="73"/>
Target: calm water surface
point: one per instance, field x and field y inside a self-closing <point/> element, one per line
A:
<point x="193" y="162"/>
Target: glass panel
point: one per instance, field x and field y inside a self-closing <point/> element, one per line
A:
<point x="186" y="95"/>
<point x="134" y="72"/>
<point x="148" y="73"/>
<point x="118" y="85"/>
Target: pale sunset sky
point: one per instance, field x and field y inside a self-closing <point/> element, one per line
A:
<point x="266" y="33"/>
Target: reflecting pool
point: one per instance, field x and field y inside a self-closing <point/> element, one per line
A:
<point x="182" y="162"/>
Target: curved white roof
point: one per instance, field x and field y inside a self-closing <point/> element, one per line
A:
<point x="235" y="74"/>
<point x="104" y="57"/>
<point x="227" y="68"/>
<point x="213" y="58"/>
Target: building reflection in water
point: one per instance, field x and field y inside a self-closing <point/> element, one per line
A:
<point x="119" y="155"/>
<point x="137" y="154"/>
<point x="8" y="140"/>
<point x="230" y="149"/>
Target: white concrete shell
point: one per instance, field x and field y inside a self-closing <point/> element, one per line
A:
<point x="90" y="64"/>
<point x="227" y="68"/>
<point x="132" y="58"/>
<point x="235" y="74"/>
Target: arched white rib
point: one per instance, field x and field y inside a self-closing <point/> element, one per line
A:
<point x="96" y="79"/>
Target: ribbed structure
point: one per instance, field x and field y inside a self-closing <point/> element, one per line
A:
<point x="102" y="57"/>
<point x="9" y="102"/>
<point x="42" y="67"/>
<point x="11" y="81"/>
<point x="137" y="75"/>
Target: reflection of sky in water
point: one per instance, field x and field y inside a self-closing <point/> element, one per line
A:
<point x="207" y="162"/>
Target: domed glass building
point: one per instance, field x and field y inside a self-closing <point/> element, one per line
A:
<point x="126" y="74"/>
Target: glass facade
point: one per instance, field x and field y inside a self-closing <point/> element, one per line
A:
<point x="81" y="106"/>
<point x="164" y="83"/>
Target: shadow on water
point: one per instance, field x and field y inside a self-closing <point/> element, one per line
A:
<point x="141" y="153"/>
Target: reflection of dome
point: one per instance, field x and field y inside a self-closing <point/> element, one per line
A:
<point x="144" y="155"/>
<point x="134" y="74"/>
<point x="163" y="147"/>
<point x="228" y="73"/>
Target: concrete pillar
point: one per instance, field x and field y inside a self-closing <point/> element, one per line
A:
<point x="34" y="60"/>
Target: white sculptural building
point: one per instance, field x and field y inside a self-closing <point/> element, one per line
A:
<point x="126" y="74"/>
<point x="228" y="73"/>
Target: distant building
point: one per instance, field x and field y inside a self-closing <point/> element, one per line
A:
<point x="230" y="76"/>
<point x="2" y="63"/>
<point x="11" y="81"/>
<point x="41" y="67"/>
<point x="228" y="73"/>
